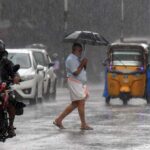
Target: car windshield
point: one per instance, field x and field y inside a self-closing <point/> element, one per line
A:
<point x="22" y="59"/>
<point x="129" y="57"/>
<point x="39" y="58"/>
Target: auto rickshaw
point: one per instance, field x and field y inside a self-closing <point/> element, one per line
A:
<point x="126" y="72"/>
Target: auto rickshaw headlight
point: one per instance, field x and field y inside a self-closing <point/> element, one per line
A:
<point x="114" y="75"/>
<point x="141" y="69"/>
<point x="111" y="68"/>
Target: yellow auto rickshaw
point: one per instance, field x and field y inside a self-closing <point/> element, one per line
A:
<point x="126" y="72"/>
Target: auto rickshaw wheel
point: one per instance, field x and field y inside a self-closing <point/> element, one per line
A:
<point x="107" y="100"/>
<point x="125" y="97"/>
<point x="125" y="101"/>
<point x="148" y="99"/>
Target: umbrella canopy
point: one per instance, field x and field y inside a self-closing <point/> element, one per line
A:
<point x="86" y="37"/>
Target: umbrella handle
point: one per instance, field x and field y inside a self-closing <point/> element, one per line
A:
<point x="84" y="51"/>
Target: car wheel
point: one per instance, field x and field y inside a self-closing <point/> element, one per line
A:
<point x="53" y="95"/>
<point x="47" y="95"/>
<point x="34" y="100"/>
<point x="40" y="100"/>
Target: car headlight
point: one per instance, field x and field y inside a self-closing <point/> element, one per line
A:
<point x="48" y="76"/>
<point x="27" y="77"/>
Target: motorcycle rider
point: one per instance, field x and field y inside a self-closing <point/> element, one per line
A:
<point x="7" y="73"/>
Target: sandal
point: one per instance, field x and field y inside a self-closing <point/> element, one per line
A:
<point x="58" y="125"/>
<point x="86" y="128"/>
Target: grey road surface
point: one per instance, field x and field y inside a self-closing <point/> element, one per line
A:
<point x="115" y="127"/>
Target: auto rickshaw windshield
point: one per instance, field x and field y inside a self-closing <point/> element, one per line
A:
<point x="127" y="56"/>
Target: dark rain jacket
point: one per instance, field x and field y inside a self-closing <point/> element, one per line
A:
<point x="6" y="67"/>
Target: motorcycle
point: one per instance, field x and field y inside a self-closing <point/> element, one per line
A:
<point x="7" y="95"/>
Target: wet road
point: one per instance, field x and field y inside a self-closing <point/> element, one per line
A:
<point x="115" y="127"/>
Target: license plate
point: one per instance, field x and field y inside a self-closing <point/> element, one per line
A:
<point x="125" y="80"/>
<point x="126" y="76"/>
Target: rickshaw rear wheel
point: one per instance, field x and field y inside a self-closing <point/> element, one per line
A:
<point x="148" y="99"/>
<point x="107" y="100"/>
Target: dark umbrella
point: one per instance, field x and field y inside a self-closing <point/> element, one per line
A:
<point x="86" y="37"/>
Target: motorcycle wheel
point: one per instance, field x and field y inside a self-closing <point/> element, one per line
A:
<point x="3" y="125"/>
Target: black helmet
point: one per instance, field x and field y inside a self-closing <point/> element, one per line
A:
<point x="2" y="46"/>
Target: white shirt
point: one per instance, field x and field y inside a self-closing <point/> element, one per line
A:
<point x="72" y="63"/>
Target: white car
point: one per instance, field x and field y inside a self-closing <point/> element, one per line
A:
<point x="31" y="85"/>
<point x="50" y="80"/>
